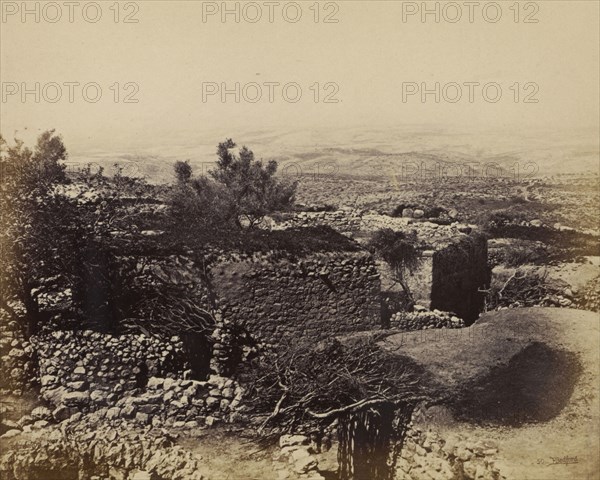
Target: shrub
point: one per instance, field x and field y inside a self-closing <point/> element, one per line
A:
<point x="521" y="252"/>
<point x="399" y="251"/>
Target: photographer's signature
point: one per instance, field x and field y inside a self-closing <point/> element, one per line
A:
<point x="557" y="461"/>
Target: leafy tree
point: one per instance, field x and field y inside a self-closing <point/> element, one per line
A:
<point x="199" y="207"/>
<point x="37" y="233"/>
<point x="254" y="190"/>
<point x="399" y="251"/>
<point x="183" y="171"/>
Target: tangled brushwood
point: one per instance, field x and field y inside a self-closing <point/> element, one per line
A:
<point x="358" y="386"/>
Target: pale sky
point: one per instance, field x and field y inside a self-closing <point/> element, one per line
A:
<point x="369" y="53"/>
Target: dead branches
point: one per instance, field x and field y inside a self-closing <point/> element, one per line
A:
<point x="304" y="383"/>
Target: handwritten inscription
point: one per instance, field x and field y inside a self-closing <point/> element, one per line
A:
<point x="557" y="461"/>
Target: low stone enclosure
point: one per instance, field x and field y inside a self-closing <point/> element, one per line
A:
<point x="256" y="299"/>
<point x="266" y="298"/>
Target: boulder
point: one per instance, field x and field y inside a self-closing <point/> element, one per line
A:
<point x="293" y="440"/>
<point x="41" y="413"/>
<point x="11" y="433"/>
<point x="62" y="413"/>
<point x="76" y="398"/>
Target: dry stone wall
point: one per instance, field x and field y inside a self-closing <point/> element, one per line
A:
<point x="89" y="447"/>
<point x="135" y="377"/>
<point x="424" y="320"/>
<point x="351" y="221"/>
<point x="428" y="456"/>
<point x="79" y="371"/>
<point x="309" y="298"/>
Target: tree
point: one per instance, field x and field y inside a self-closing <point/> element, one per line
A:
<point x="254" y="190"/>
<point x="51" y="241"/>
<point x="183" y="171"/>
<point x="37" y="236"/>
<point x="398" y="250"/>
<point x="199" y="207"/>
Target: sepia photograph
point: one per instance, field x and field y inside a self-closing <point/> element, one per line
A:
<point x="300" y="240"/>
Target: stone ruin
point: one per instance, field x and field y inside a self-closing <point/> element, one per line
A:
<point x="145" y="380"/>
<point x="452" y="276"/>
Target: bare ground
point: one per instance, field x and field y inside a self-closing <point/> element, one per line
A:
<point x="525" y="378"/>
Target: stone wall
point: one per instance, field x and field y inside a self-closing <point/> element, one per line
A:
<point x="309" y="298"/>
<point x="91" y="447"/>
<point x="424" y="320"/>
<point x="351" y="221"/>
<point x="459" y="271"/>
<point x="79" y="371"/>
<point x="428" y="456"/>
<point x="136" y="377"/>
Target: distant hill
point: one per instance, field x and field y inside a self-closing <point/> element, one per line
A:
<point x="370" y="151"/>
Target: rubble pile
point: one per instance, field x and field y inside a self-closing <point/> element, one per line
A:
<point x="89" y="448"/>
<point x="426" y="456"/>
<point x="296" y="458"/>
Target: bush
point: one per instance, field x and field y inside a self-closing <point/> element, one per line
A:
<point x="399" y="251"/>
<point x="521" y="252"/>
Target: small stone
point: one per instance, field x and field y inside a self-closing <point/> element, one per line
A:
<point x="140" y="475"/>
<point x="128" y="411"/>
<point x="39" y="425"/>
<point x="292" y="440"/>
<point x="41" y="413"/>
<point x="98" y="396"/>
<point x="77" y="386"/>
<point x="142" y="418"/>
<point x="155" y="382"/>
<point x="48" y="380"/>
<point x="11" y="433"/>
<point x="62" y="413"/>
<point x="113" y="412"/>
<point x="76" y="398"/>
<point x="463" y="454"/>
<point x="210" y="421"/>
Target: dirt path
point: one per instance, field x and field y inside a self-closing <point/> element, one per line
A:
<point x="526" y="378"/>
